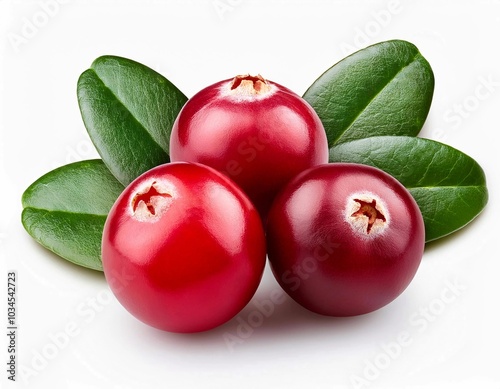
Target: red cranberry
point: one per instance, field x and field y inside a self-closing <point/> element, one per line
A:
<point x="344" y="239"/>
<point x="255" y="131"/>
<point x="183" y="248"/>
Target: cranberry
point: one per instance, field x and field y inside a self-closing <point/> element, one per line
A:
<point x="344" y="239"/>
<point x="183" y="248"/>
<point x="255" y="131"/>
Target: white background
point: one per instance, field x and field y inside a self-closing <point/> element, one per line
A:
<point x="446" y="322"/>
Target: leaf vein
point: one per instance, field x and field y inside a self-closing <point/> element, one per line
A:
<point x="375" y="96"/>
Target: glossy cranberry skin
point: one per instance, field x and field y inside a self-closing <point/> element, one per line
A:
<point x="183" y="248"/>
<point x="255" y="131"/>
<point x="344" y="239"/>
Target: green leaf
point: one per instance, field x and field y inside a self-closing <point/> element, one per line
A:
<point x="65" y="210"/>
<point x="384" y="89"/>
<point x="128" y="110"/>
<point x="448" y="185"/>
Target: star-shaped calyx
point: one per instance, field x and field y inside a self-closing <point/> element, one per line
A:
<point x="147" y="197"/>
<point x="369" y="210"/>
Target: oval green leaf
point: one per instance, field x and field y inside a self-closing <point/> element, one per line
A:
<point x="448" y="185"/>
<point x="384" y="89"/>
<point x="65" y="210"/>
<point x="128" y="110"/>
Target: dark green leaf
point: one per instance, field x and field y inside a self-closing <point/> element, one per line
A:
<point x="128" y="110"/>
<point x="384" y="89"/>
<point x="449" y="186"/>
<point x="65" y="210"/>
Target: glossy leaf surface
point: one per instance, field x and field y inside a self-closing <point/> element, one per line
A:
<point x="384" y="89"/>
<point x="65" y="210"/>
<point x="128" y="110"/>
<point x="448" y="185"/>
